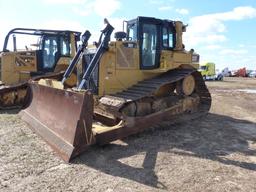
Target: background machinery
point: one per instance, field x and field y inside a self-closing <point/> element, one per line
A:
<point x="208" y="71"/>
<point x="33" y="53"/>
<point x="240" y="73"/>
<point x="143" y="78"/>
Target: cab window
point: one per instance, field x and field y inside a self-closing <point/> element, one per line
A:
<point x="167" y="38"/>
<point x="64" y="46"/>
<point x="171" y="43"/>
<point x="132" y="32"/>
<point x="50" y="52"/>
<point x="149" y="45"/>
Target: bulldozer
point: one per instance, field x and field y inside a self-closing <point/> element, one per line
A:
<point x="33" y="54"/>
<point x="143" y="78"/>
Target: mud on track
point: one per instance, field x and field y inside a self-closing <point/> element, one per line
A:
<point x="215" y="153"/>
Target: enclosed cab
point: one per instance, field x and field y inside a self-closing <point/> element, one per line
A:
<point x="31" y="52"/>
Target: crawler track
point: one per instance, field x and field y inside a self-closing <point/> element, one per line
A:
<point x="111" y="109"/>
<point x="17" y="96"/>
<point x="114" y="104"/>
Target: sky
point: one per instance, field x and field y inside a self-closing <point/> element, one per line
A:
<point x="223" y="32"/>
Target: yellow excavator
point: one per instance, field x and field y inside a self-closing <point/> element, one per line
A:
<point x="143" y="78"/>
<point x="33" y="53"/>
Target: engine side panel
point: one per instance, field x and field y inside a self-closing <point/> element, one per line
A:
<point x="120" y="66"/>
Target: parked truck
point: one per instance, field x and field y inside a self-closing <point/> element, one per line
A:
<point x="208" y="71"/>
<point x="226" y="72"/>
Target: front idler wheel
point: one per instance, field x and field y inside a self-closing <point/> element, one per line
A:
<point x="186" y="86"/>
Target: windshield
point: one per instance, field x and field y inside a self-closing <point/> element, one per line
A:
<point x="203" y="67"/>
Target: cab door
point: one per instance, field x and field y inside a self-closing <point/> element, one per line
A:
<point x="54" y="47"/>
<point x="50" y="53"/>
<point x="149" y="33"/>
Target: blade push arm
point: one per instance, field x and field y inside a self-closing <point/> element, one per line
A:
<point x="85" y="38"/>
<point x="103" y="46"/>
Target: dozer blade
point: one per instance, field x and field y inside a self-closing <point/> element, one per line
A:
<point x="63" y="118"/>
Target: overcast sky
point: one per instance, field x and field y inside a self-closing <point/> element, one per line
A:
<point x="221" y="31"/>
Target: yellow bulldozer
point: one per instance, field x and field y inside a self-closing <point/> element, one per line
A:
<point x="143" y="78"/>
<point x="33" y="53"/>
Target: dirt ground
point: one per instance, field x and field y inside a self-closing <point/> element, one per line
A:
<point x="214" y="153"/>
